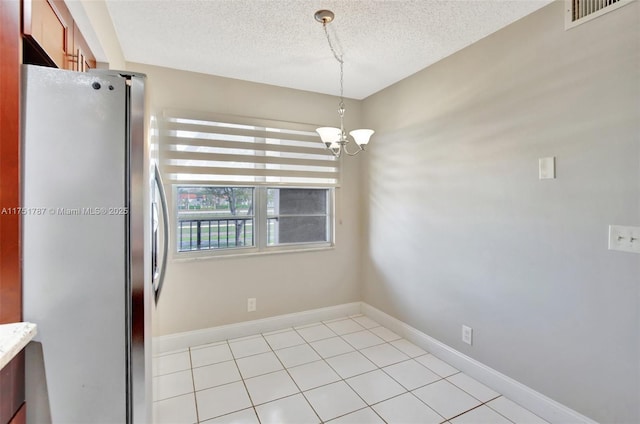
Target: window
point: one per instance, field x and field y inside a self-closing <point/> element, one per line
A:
<point x="214" y="218"/>
<point x="222" y="218"/>
<point x="297" y="215"/>
<point x="246" y="185"/>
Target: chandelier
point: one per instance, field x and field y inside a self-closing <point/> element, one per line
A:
<point x="336" y="138"/>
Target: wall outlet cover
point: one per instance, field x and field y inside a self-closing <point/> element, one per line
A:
<point x="547" y="168"/>
<point x="467" y="334"/>
<point x="251" y="304"/>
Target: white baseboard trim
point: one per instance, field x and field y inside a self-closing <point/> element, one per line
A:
<point x="179" y="341"/>
<point x="530" y="399"/>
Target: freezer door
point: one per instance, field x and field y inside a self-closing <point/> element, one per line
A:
<point x="75" y="272"/>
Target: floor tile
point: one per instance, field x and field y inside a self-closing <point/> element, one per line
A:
<point x="248" y="347"/>
<point x="411" y="374"/>
<point x="263" y="363"/>
<point x="317" y="332"/>
<point x="362" y="339"/>
<point x="334" y="400"/>
<point x="297" y="355"/>
<point x="446" y="399"/>
<point x="314" y="374"/>
<point x="208" y="355"/>
<point x="282" y="340"/>
<point x="331" y="347"/>
<point x="222" y="400"/>
<point x="170" y="385"/>
<point x="375" y="386"/>
<point x="290" y="410"/>
<point x="409" y="348"/>
<point x="344" y="326"/>
<point x="365" y="321"/>
<point x="167" y="364"/>
<point x="363" y="416"/>
<point x="407" y="409"/>
<point x="176" y="410"/>
<point x="481" y="415"/>
<point x="384" y="354"/>
<point x="215" y="375"/>
<point x="246" y="416"/>
<point x="514" y="412"/>
<point x="473" y="387"/>
<point x="385" y="334"/>
<point x="351" y="364"/>
<point x="270" y="387"/>
<point x="437" y="365"/>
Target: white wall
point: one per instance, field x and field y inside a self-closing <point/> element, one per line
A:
<point x="461" y="231"/>
<point x="207" y="293"/>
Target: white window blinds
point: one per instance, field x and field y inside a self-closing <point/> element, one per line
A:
<point x="229" y="150"/>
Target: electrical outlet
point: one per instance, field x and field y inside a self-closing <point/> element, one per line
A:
<point x="467" y="334"/>
<point x="251" y="304"/>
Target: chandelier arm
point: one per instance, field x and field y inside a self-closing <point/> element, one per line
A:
<point x="344" y="149"/>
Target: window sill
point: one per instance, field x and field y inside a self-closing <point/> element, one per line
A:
<point x="193" y="256"/>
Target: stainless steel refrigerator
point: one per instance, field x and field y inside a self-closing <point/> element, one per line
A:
<point x="91" y="271"/>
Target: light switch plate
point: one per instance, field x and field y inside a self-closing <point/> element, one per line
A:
<point x="547" y="168"/>
<point x="624" y="238"/>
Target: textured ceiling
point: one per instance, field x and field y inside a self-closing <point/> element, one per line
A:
<point x="278" y="41"/>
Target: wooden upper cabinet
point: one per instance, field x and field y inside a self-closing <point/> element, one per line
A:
<point x="52" y="38"/>
<point x="83" y="58"/>
<point x="47" y="32"/>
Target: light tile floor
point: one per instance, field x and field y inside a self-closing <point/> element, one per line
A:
<point x="347" y="371"/>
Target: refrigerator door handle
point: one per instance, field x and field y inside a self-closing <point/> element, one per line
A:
<point x="165" y="234"/>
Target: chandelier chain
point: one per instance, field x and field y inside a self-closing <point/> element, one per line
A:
<point x="340" y="61"/>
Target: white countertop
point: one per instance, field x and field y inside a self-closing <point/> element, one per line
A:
<point x="13" y="337"/>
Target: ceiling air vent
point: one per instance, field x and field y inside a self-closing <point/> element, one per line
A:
<point x="580" y="11"/>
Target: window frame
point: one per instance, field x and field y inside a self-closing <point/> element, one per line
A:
<point x="260" y="226"/>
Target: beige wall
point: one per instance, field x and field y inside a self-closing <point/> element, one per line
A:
<point x="206" y="293"/>
<point x="461" y="231"/>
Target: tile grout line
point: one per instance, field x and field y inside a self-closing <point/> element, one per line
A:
<point x="193" y="383"/>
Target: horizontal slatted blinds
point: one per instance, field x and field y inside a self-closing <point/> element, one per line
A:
<point x="229" y="150"/>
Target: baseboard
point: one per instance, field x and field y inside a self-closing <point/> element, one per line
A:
<point x="178" y="341"/>
<point x="532" y="400"/>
